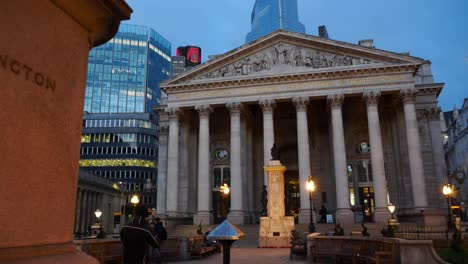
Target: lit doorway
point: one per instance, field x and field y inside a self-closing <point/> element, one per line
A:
<point x="221" y="201"/>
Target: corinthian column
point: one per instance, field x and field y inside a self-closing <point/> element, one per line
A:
<point x="377" y="157"/>
<point x="303" y="155"/>
<point x="236" y="216"/>
<point x="173" y="163"/>
<point x="162" y="170"/>
<point x="268" y="106"/>
<point x="414" y="149"/>
<point x="204" y="187"/>
<point x="343" y="211"/>
<point x="433" y="114"/>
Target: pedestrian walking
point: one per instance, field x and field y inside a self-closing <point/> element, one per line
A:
<point x="136" y="238"/>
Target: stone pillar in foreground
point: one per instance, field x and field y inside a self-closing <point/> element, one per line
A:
<point x="381" y="214"/>
<point x="414" y="150"/>
<point x="43" y="61"/>
<point x="344" y="215"/>
<point x="275" y="229"/>
<point x="204" y="214"/>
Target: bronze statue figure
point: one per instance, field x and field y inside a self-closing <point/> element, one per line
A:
<point x="274" y="152"/>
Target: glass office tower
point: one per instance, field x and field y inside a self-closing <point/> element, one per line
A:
<point x="271" y="15"/>
<point x="119" y="138"/>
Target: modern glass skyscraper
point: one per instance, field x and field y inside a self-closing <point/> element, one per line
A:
<point x="124" y="73"/>
<point x="119" y="139"/>
<point x="270" y="15"/>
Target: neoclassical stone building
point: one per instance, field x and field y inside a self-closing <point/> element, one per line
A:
<point x="363" y="122"/>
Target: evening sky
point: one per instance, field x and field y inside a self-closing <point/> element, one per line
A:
<point x="436" y="30"/>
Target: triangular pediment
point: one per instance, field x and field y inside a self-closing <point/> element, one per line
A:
<point x="285" y="53"/>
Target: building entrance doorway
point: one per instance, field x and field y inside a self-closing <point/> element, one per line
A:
<point x="366" y="199"/>
<point x="292" y="193"/>
<point x="221" y="201"/>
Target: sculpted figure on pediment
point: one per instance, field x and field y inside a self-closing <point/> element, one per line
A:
<point x="285" y="54"/>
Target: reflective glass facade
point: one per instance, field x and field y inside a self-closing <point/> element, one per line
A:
<point x="123" y="74"/>
<point x="271" y="15"/>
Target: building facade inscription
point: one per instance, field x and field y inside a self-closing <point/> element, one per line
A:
<point x="28" y="73"/>
<point x="281" y="55"/>
<point x="275" y="88"/>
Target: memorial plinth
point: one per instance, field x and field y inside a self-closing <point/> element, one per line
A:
<point x="275" y="229"/>
<point x="43" y="66"/>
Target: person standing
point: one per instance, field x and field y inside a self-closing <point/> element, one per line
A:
<point x="323" y="214"/>
<point x="159" y="229"/>
<point x="136" y="237"/>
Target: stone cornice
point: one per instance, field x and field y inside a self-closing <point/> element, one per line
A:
<point x="433" y="113"/>
<point x="101" y="18"/>
<point x="430" y="88"/>
<point x="326" y="73"/>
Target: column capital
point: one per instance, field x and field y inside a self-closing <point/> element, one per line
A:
<point x="371" y="97"/>
<point x="235" y="107"/>
<point x="163" y="130"/>
<point x="408" y="95"/>
<point x="174" y="113"/>
<point x="204" y="110"/>
<point x="433" y="113"/>
<point x="301" y="103"/>
<point x="335" y="100"/>
<point x="267" y="105"/>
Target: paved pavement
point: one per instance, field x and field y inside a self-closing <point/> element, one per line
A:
<point x="250" y="255"/>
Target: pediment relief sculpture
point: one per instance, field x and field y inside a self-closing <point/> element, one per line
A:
<point x="285" y="58"/>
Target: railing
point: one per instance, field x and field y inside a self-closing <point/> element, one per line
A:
<point x="426" y="233"/>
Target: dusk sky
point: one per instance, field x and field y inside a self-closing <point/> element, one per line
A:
<point x="436" y="30"/>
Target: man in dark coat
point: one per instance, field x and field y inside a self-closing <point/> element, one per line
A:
<point x="136" y="236"/>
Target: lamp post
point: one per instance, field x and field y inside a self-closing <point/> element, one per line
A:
<point x="224" y="190"/>
<point x="310" y="186"/>
<point x="447" y="191"/>
<point x="391" y="208"/>
<point x="135" y="200"/>
<point x="98" y="214"/>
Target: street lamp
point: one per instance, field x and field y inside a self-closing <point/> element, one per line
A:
<point x="98" y="214"/>
<point x="135" y="200"/>
<point x="447" y="191"/>
<point x="391" y="208"/>
<point x="310" y="186"/>
<point x="224" y="190"/>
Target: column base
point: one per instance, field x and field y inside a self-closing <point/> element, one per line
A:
<point x="304" y="216"/>
<point x="205" y="218"/>
<point x="381" y="215"/>
<point x="44" y="254"/>
<point x="344" y="216"/>
<point x="237" y="217"/>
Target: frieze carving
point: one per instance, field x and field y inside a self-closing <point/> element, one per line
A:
<point x="433" y="113"/>
<point x="267" y="105"/>
<point x="174" y="113"/>
<point x="408" y="95"/>
<point x="371" y="98"/>
<point x="301" y="103"/>
<point x="285" y="55"/>
<point x="335" y="100"/>
<point x="235" y="107"/>
<point x="204" y="110"/>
